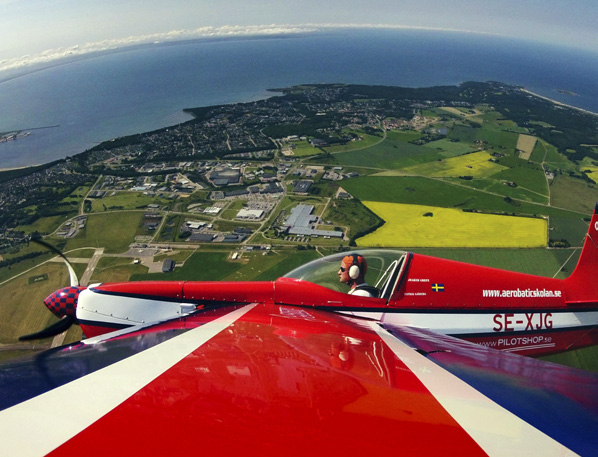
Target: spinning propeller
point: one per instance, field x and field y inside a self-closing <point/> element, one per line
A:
<point x="62" y="303"/>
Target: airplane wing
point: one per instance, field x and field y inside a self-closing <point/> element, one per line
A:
<point x="281" y="380"/>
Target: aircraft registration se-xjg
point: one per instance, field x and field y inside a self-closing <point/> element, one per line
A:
<point x="434" y="365"/>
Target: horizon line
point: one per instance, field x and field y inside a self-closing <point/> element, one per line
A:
<point x="223" y="32"/>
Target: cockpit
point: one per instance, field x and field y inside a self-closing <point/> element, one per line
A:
<point x="385" y="269"/>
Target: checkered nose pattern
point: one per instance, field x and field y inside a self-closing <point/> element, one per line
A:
<point x="63" y="302"/>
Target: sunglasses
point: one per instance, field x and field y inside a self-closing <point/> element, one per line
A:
<point x="343" y="269"/>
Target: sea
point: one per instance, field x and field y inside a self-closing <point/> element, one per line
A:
<point x="74" y="105"/>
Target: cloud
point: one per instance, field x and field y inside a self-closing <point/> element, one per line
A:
<point x="50" y="55"/>
<point x="226" y="31"/>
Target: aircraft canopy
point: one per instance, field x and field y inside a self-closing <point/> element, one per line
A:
<point x="384" y="267"/>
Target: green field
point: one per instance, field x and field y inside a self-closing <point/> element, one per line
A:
<point x="125" y="201"/>
<point x="476" y="164"/>
<point x="303" y="148"/>
<point x="432" y="192"/>
<point x="269" y="267"/>
<point x="528" y="177"/>
<point x="450" y="148"/>
<point x="21" y="303"/>
<point x="365" y="141"/>
<point x="352" y="215"/>
<point x="492" y="134"/>
<point x="586" y="358"/>
<point x="116" y="269"/>
<point x="45" y="225"/>
<point x="575" y="194"/>
<point x="541" y="262"/>
<point x="405" y="136"/>
<point x="77" y="196"/>
<point x="551" y="157"/>
<point x="201" y="266"/>
<point x="389" y="154"/>
<point x="115" y="231"/>
<point x="502" y="188"/>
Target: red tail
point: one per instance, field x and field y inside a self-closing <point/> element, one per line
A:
<point x="582" y="285"/>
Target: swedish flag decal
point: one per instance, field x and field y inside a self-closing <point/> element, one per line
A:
<point x="438" y="287"/>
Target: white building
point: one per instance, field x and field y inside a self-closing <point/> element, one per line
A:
<point x="250" y="214"/>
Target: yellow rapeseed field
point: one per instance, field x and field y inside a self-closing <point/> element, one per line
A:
<point x="406" y="226"/>
<point x="592" y="172"/>
<point x="477" y="164"/>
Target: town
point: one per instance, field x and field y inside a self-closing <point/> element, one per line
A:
<point x="244" y="154"/>
<point x="272" y="171"/>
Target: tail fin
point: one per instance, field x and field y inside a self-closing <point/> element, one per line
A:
<point x="582" y="285"/>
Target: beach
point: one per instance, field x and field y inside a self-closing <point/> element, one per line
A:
<point x="556" y="102"/>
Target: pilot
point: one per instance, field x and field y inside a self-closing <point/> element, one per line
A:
<point x="352" y="272"/>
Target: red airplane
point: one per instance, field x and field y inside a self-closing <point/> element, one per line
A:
<point x="427" y="367"/>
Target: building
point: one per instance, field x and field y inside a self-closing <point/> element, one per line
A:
<point x="302" y="222"/>
<point x="236" y="193"/>
<point x="268" y="176"/>
<point x="318" y="142"/>
<point x="250" y="214"/>
<point x="272" y="188"/>
<point x="223" y="176"/>
<point x="234" y="238"/>
<point x="202" y="237"/>
<point x="195" y="225"/>
<point x="302" y="187"/>
<point x="168" y="265"/>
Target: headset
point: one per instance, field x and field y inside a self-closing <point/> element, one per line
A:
<point x="354" y="270"/>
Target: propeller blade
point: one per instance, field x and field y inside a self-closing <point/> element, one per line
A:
<point x="72" y="274"/>
<point x="55" y="329"/>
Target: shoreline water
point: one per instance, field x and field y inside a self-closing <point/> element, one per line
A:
<point x="20" y="168"/>
<point x="100" y="98"/>
<point x="556" y="102"/>
<point x="273" y="92"/>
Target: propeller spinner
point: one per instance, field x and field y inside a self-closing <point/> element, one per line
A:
<point x="62" y="303"/>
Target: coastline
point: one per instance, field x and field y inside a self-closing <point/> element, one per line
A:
<point x="271" y="92"/>
<point x="21" y="168"/>
<point x="169" y="72"/>
<point x="558" y="103"/>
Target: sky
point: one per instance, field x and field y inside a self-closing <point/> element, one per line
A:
<point x="40" y="30"/>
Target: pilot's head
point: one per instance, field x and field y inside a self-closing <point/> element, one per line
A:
<point x="352" y="270"/>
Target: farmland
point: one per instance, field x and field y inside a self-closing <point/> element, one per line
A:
<point x="428" y="226"/>
<point x="526" y="144"/>
<point x="124" y="201"/>
<point x="389" y="154"/>
<point x="479" y="166"/>
<point x="115" y="231"/>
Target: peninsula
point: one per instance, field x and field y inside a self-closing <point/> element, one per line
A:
<point x="256" y="189"/>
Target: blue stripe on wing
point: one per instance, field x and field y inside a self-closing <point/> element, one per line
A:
<point x="561" y="402"/>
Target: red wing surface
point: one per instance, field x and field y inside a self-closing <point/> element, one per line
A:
<point x="281" y="380"/>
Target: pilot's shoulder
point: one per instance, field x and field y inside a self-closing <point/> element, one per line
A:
<point x="365" y="290"/>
